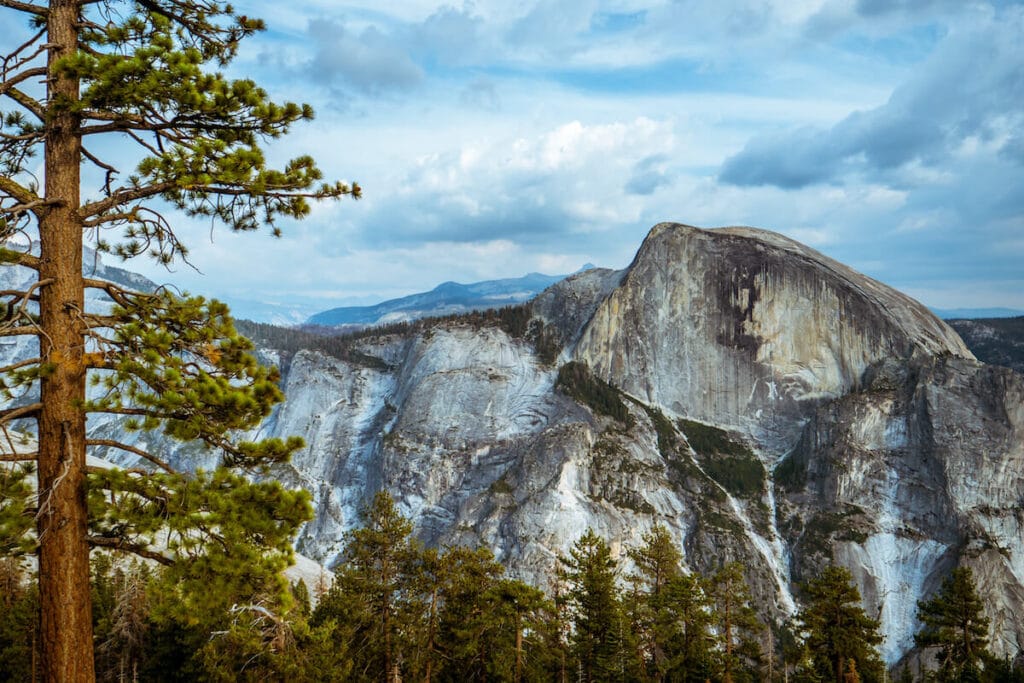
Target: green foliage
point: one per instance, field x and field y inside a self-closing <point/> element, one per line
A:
<point x="743" y="476"/>
<point x="576" y="380"/>
<point x="445" y="615"/>
<point x="178" y="364"/>
<point x="737" y="625"/>
<point x="791" y="473"/>
<point x="600" y="642"/>
<point x="17" y="497"/>
<point x="707" y="440"/>
<point x="953" y="621"/>
<point x="837" y="630"/>
<point x="728" y="462"/>
<point x="824" y="527"/>
<point x="19" y="624"/>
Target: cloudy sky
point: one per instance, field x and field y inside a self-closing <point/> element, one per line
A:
<point x="494" y="138"/>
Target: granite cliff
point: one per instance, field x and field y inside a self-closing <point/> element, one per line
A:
<point x="763" y="402"/>
<point x="770" y="405"/>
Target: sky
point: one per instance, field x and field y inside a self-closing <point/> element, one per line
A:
<point x="496" y="138"/>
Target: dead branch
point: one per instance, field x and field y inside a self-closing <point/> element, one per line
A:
<point x="132" y="449"/>
<point x="23" y="411"/>
<point x="25" y="7"/>
<point x="124" y="545"/>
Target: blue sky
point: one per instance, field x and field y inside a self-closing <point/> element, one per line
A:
<point x="495" y="138"/>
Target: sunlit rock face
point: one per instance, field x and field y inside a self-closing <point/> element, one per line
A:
<point x="750" y="329"/>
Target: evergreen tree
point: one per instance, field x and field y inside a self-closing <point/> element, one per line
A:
<point x="370" y="598"/>
<point x="658" y="563"/>
<point x="19" y="624"/>
<point x="599" y="645"/>
<point x="954" y="622"/>
<point x="737" y="624"/>
<point x="691" y="654"/>
<point x="838" y="631"/>
<point x="130" y="80"/>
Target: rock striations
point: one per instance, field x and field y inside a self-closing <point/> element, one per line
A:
<point x="774" y="407"/>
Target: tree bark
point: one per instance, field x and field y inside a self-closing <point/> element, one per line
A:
<point x="66" y="612"/>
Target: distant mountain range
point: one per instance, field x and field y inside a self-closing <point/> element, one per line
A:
<point x="445" y="299"/>
<point x="998" y="341"/>
<point x="976" y="313"/>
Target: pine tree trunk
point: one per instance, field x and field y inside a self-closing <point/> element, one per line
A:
<point x="519" y="650"/>
<point x="66" y="613"/>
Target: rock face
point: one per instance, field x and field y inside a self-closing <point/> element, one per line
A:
<point x="770" y="406"/>
<point x="776" y="407"/>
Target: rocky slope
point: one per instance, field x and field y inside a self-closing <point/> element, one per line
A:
<point x="772" y="406"/>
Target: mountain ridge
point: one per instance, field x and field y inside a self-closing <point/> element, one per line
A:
<point x="445" y="299"/>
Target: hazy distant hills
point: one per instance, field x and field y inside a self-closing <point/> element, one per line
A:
<point x="998" y="341"/>
<point x="445" y="299"/>
<point x="975" y="313"/>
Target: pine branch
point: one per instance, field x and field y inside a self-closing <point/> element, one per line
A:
<point x="24" y="259"/>
<point x="132" y="449"/>
<point x="18" y="457"/>
<point x="18" y="192"/>
<point x="122" y="544"/>
<point x="25" y="7"/>
<point x="125" y="196"/>
<point x="24" y="411"/>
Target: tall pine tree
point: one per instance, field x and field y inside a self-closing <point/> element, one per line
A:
<point x="839" y="634"/>
<point x="130" y="80"/>
<point x="953" y="621"/>
<point x="599" y="632"/>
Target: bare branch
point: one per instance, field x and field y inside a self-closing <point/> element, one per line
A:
<point x="20" y="331"/>
<point x="11" y="57"/>
<point x="24" y="411"/>
<point x="26" y="101"/>
<point x="21" y="364"/>
<point x="109" y="171"/>
<point x="20" y="193"/>
<point x="125" y="196"/>
<point x="124" y="545"/>
<point x="12" y="81"/>
<point x="132" y="449"/>
<point x="18" y="457"/>
<point x="25" y="7"/>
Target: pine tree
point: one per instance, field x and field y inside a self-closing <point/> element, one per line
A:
<point x="954" y="622"/>
<point x="658" y="562"/>
<point x="599" y="646"/>
<point x="19" y="624"/>
<point x="837" y="629"/>
<point x="129" y="80"/>
<point x="370" y="598"/>
<point x="691" y="647"/>
<point x="737" y="625"/>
